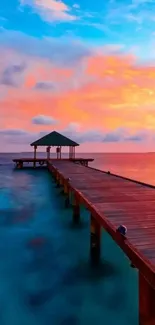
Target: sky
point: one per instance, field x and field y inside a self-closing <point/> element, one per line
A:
<point x="83" y="68"/>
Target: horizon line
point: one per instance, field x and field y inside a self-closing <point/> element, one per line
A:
<point x="82" y="152"/>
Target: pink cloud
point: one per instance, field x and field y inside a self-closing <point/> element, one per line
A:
<point x="50" y="10"/>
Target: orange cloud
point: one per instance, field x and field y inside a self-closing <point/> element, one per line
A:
<point x="104" y="92"/>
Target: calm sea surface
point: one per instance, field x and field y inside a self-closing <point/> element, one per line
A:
<point x="45" y="274"/>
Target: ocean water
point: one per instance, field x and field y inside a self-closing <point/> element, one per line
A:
<point x="45" y="273"/>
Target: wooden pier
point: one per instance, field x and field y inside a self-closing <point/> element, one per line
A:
<point x="113" y="201"/>
<point x="38" y="162"/>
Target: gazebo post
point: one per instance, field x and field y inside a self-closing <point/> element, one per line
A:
<point x="48" y="152"/>
<point x="71" y="152"/>
<point x="58" y="151"/>
<point x="35" y="154"/>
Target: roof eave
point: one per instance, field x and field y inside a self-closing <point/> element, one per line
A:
<point x="53" y="145"/>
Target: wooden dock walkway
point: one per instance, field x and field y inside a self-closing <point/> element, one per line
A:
<point x="114" y="201"/>
<point x="43" y="161"/>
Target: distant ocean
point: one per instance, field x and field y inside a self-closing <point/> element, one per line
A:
<point x="45" y="274"/>
<point x="139" y="166"/>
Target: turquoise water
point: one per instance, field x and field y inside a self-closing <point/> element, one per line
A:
<point x="45" y="272"/>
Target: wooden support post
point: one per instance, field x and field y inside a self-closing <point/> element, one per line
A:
<point x="62" y="186"/>
<point x="53" y="174"/>
<point x="65" y="187"/>
<point x="146" y="302"/>
<point x="19" y="165"/>
<point x="67" y="202"/>
<point x="60" y="181"/>
<point x="35" y="154"/>
<point x="57" y="180"/>
<point x="66" y="192"/>
<point x="76" y="210"/>
<point x="95" y="238"/>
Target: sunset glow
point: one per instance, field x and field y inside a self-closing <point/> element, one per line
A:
<point x="95" y="83"/>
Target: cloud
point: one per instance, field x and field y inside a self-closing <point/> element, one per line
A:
<point x="13" y="132"/>
<point x="10" y="75"/>
<point x="136" y="3"/>
<point x="51" y="10"/>
<point x="112" y="137"/>
<point x="44" y="120"/>
<point x="64" y="51"/>
<point x="18" y="136"/>
<point x="117" y="135"/>
<point x="72" y="127"/>
<point x="135" y="14"/>
<point x="99" y="95"/>
<point x="10" y="137"/>
<point x="140" y="136"/>
<point x="135" y="137"/>
<point x="43" y="85"/>
<point x="77" y="6"/>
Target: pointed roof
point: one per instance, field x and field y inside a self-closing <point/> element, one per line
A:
<point x="54" y="139"/>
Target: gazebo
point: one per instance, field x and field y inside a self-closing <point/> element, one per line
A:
<point x="55" y="139"/>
